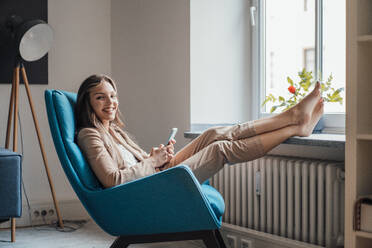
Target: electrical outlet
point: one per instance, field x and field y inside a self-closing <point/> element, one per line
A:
<point x="51" y="212"/>
<point x="244" y="243"/>
<point x="42" y="214"/>
<point x="232" y="241"/>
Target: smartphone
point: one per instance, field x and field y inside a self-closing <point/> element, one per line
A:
<point x="172" y="134"/>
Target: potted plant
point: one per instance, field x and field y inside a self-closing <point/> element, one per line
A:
<point x="300" y="89"/>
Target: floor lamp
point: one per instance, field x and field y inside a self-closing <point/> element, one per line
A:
<point x="32" y="41"/>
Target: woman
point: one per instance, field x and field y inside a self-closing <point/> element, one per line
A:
<point x="116" y="159"/>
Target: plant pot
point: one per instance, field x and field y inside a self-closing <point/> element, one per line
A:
<point x="319" y="126"/>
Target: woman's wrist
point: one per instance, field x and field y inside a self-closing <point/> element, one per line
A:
<point x="154" y="162"/>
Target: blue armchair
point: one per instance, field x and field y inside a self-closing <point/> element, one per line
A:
<point x="168" y="206"/>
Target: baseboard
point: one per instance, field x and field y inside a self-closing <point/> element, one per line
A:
<point x="69" y="210"/>
<point x="241" y="237"/>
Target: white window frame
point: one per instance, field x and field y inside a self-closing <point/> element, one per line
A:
<point x="334" y="122"/>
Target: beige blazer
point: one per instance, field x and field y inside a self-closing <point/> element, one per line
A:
<point x="103" y="155"/>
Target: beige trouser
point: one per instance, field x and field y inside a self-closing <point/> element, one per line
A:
<point x="208" y="153"/>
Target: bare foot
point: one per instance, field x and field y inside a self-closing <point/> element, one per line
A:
<point x="301" y="113"/>
<point x="305" y="129"/>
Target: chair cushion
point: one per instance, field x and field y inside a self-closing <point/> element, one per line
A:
<point x="64" y="106"/>
<point x="215" y="199"/>
<point x="10" y="184"/>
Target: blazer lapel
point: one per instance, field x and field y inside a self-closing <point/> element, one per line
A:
<point x="127" y="143"/>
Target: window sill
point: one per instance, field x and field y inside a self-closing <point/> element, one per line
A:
<point x="323" y="140"/>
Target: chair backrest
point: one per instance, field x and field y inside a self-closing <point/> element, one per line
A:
<point x="60" y="107"/>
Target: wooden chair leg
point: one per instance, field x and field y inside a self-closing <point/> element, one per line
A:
<point x="13" y="227"/>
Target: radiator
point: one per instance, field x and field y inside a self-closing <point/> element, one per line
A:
<point x="297" y="199"/>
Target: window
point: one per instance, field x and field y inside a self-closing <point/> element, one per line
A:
<point x="292" y="35"/>
<point x="309" y="58"/>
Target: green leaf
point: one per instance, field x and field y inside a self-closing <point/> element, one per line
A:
<point x="290" y="81"/>
<point x="330" y="78"/>
<point x="269" y="98"/>
<point x="281" y="99"/>
<point x="273" y="108"/>
<point x="323" y="88"/>
<point x="338" y="91"/>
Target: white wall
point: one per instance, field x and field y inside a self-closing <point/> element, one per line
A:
<point x="220" y="61"/>
<point x="81" y="47"/>
<point x="150" y="63"/>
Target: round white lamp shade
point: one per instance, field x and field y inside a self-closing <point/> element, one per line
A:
<point x="35" y="39"/>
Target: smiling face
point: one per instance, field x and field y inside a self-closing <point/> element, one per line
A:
<point x="104" y="102"/>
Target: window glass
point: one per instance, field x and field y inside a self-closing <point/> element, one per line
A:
<point x="289" y="43"/>
<point x="334" y="47"/>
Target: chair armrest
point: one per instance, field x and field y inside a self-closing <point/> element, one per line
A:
<point x="168" y="201"/>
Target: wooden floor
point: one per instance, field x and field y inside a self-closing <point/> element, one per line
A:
<point x="89" y="236"/>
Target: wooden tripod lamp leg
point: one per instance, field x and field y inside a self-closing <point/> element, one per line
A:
<point x="15" y="119"/>
<point x="15" y="128"/>
<point x="7" y="140"/>
<point x="10" y="113"/>
<point x="24" y="76"/>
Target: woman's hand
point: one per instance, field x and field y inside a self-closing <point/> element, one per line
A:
<point x="160" y="155"/>
<point x="170" y="150"/>
<point x="170" y="146"/>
